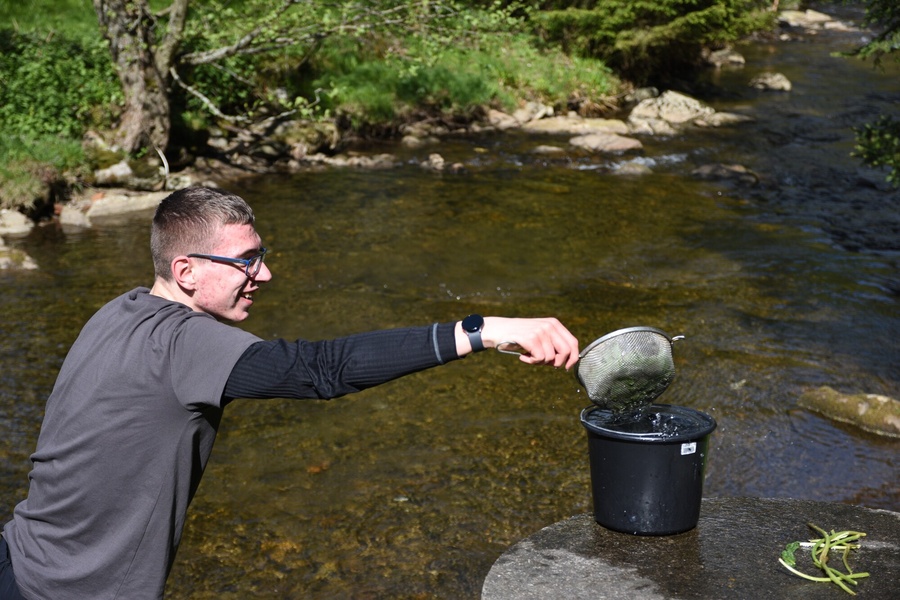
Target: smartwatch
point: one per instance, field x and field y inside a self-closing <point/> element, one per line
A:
<point x="472" y="325"/>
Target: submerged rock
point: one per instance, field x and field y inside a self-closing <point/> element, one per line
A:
<point x="575" y="125"/>
<point x="723" y="172"/>
<point x="871" y="412"/>
<point x="726" y="57"/>
<point x="771" y="81"/>
<point x="606" y="142"/>
<point x="633" y="168"/>
<point x="723" y="119"/>
<point x="14" y="223"/>
<point x="15" y="259"/>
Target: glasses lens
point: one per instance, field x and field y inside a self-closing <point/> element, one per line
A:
<point x="255" y="264"/>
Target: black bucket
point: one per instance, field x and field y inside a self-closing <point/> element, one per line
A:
<point x="647" y="473"/>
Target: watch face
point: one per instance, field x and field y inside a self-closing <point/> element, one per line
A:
<point x="473" y="323"/>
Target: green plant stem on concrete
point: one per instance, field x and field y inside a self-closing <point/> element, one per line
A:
<point x="842" y="541"/>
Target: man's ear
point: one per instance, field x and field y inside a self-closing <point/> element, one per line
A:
<point x="183" y="273"/>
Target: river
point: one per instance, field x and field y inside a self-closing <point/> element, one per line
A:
<point x="413" y="489"/>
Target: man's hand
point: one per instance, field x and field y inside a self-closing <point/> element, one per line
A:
<point x="543" y="341"/>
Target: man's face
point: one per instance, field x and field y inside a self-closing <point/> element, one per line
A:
<point x="223" y="289"/>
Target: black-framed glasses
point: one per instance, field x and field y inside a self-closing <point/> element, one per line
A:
<point x="252" y="265"/>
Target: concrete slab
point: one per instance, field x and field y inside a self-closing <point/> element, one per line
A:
<point x="733" y="553"/>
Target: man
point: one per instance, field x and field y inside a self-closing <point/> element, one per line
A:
<point x="131" y="421"/>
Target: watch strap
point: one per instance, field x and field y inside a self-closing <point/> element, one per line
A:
<point x="472" y="325"/>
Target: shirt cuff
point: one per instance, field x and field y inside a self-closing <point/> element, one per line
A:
<point x="443" y="338"/>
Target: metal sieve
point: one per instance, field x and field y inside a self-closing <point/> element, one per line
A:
<point x="626" y="370"/>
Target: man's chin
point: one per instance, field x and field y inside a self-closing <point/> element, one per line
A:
<point x="235" y="316"/>
<point x="241" y="316"/>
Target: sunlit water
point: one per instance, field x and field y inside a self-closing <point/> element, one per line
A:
<point x="413" y="489"/>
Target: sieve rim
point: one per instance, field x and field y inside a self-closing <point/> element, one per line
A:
<point x="619" y="332"/>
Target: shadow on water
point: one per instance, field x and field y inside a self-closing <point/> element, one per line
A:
<point x="413" y="489"/>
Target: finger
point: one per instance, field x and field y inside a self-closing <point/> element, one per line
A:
<point x="546" y="342"/>
<point x="554" y="345"/>
<point x="565" y="345"/>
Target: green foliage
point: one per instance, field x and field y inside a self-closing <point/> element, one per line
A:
<point x="52" y="88"/>
<point x="468" y="57"/>
<point x="884" y="15"/>
<point x="244" y="83"/>
<point x="57" y="88"/>
<point x="878" y="145"/>
<point x="453" y="79"/>
<point x="376" y="62"/>
<point x="646" y="39"/>
<point x="68" y="18"/>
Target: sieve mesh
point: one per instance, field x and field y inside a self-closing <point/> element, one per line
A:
<point x="628" y="369"/>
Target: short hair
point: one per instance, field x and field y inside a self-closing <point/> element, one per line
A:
<point x="189" y="220"/>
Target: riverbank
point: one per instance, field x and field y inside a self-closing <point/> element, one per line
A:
<point x="300" y="145"/>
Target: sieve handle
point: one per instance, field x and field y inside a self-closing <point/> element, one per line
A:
<point x="510" y="348"/>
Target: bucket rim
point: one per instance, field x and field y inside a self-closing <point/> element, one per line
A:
<point x="705" y="426"/>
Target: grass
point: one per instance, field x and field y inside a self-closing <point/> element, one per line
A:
<point x="27" y="165"/>
<point x="500" y="71"/>
<point x="71" y="18"/>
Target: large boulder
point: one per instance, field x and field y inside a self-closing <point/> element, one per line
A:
<point x="12" y="222"/>
<point x="665" y="114"/>
<point x="804" y="19"/>
<point x="501" y="120"/>
<point x="532" y="111"/>
<point x="79" y="212"/>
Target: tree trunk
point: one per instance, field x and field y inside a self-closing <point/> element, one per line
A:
<point x="128" y="25"/>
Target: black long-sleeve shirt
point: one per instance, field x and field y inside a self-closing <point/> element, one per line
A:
<point x="333" y="368"/>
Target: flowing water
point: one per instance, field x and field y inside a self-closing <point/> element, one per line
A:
<point x="413" y="489"/>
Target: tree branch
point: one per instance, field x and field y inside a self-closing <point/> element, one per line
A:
<point x="205" y="100"/>
<point x="314" y="34"/>
<point x="239" y="47"/>
<point x="165" y="52"/>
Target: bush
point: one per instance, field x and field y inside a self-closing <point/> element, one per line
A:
<point x="59" y="88"/>
<point x="50" y="93"/>
<point x="878" y="145"/>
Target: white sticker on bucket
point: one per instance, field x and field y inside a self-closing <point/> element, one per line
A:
<point x="688" y="448"/>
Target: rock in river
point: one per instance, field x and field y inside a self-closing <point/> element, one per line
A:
<point x="872" y="412"/>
